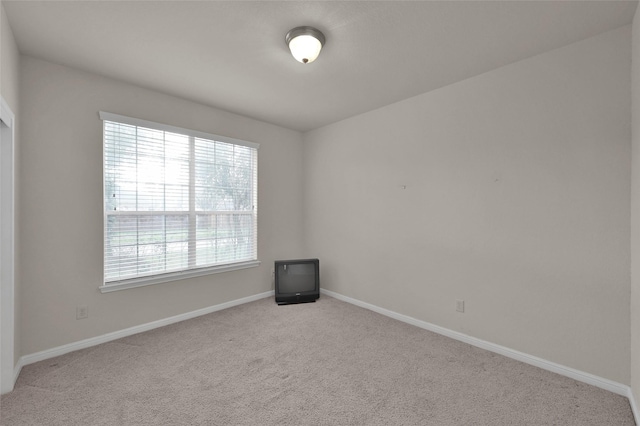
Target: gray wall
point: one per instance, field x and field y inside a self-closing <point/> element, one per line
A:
<point x="516" y="201"/>
<point x="9" y="63"/>
<point x="61" y="186"/>
<point x="635" y="213"/>
<point x="9" y="89"/>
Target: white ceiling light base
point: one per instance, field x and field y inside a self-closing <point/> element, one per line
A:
<point x="305" y="43"/>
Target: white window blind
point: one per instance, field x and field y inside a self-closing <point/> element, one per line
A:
<point x="175" y="200"/>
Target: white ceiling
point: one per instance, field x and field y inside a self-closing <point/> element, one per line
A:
<point x="232" y="54"/>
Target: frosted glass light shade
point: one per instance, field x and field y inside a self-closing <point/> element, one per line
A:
<point x="305" y="43"/>
<point x="305" y="48"/>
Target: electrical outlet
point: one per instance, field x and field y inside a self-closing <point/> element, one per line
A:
<point x="82" y="312"/>
<point x="460" y="305"/>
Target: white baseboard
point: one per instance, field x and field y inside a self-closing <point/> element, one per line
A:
<point x="93" y="341"/>
<point x="581" y="376"/>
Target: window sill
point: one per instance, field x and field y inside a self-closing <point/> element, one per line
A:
<point x="174" y="276"/>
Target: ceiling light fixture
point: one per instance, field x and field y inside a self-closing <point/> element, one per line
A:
<point x="305" y="43"/>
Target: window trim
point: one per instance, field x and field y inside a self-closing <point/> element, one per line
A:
<point x="183" y="274"/>
<point x="175" y="276"/>
<point x="107" y="116"/>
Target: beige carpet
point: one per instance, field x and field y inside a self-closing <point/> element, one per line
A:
<point x="323" y="363"/>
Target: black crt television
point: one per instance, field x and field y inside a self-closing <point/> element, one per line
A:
<point x="297" y="281"/>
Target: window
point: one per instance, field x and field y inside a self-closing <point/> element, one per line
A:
<point x="177" y="202"/>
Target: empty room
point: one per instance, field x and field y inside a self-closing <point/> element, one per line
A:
<point x="320" y="212"/>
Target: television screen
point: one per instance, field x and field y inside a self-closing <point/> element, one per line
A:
<point x="297" y="280"/>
